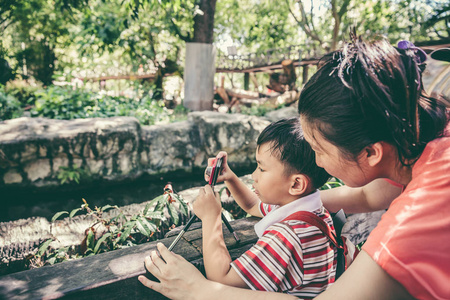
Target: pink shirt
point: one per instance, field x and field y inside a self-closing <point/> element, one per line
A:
<point x="412" y="240"/>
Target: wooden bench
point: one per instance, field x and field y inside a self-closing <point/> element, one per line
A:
<point x="113" y="275"/>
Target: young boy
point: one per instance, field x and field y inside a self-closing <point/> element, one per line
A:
<point x="290" y="256"/>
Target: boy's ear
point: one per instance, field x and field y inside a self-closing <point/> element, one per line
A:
<point x="374" y="153"/>
<point x="299" y="185"/>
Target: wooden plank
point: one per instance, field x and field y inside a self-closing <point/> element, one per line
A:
<point x="111" y="275"/>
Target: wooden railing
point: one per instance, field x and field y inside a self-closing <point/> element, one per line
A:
<point x="270" y="57"/>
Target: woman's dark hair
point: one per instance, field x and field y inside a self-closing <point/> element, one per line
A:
<point x="371" y="92"/>
<point x="290" y="147"/>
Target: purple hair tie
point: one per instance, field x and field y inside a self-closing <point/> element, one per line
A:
<point x="421" y="56"/>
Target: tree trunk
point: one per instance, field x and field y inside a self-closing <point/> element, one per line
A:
<point x="204" y="23"/>
<point x="200" y="60"/>
<point x="199" y="76"/>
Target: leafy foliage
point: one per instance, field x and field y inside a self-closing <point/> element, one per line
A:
<point x="85" y="38"/>
<point x="108" y="233"/>
<point x="258" y="110"/>
<point x="70" y="174"/>
<point x="65" y="103"/>
<point x="9" y="106"/>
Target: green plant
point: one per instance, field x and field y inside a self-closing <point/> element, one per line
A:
<point x="108" y="233"/>
<point x="10" y="107"/>
<point x="70" y="174"/>
<point x="259" y="110"/>
<point x="22" y="91"/>
<point x="62" y="103"/>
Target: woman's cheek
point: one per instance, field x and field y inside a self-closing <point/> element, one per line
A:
<point x="319" y="161"/>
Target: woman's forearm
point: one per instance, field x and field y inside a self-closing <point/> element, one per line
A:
<point x="219" y="291"/>
<point x="376" y="195"/>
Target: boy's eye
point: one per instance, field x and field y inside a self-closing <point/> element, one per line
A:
<point x="260" y="169"/>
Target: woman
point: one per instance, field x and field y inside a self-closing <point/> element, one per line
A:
<point x="367" y="117"/>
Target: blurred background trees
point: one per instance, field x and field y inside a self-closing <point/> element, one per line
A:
<point x="46" y="41"/>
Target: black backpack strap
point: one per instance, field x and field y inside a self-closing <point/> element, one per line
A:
<point x="339" y="220"/>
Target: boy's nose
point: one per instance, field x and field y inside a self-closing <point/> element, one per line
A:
<point x="253" y="175"/>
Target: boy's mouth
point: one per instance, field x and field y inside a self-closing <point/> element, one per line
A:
<point x="255" y="190"/>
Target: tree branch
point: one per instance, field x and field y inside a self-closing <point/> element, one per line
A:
<point x="303" y="22"/>
<point x="185" y="37"/>
<point x="337" y="23"/>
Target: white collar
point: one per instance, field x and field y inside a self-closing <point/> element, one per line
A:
<point x="311" y="202"/>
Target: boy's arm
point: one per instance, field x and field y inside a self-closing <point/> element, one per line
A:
<point x="243" y="196"/>
<point x="215" y="253"/>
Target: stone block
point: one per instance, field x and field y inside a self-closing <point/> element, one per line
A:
<point x="94" y="166"/>
<point x="12" y="176"/>
<point x="58" y="162"/>
<point x="29" y="153"/>
<point x="38" y="169"/>
<point x="42" y="151"/>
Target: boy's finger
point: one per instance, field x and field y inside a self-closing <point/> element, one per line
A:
<point x="207" y="189"/>
<point x="211" y="161"/>
<point x="208" y="171"/>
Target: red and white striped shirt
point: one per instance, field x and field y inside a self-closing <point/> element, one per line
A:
<point x="292" y="256"/>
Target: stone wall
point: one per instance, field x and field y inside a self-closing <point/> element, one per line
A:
<point x="33" y="150"/>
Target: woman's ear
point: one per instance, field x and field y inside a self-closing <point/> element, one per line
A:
<point x="300" y="185"/>
<point x="374" y="153"/>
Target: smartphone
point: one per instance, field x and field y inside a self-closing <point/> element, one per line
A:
<point x="215" y="172"/>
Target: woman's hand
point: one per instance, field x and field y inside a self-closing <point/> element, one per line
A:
<point x="178" y="278"/>
<point x="225" y="173"/>
<point x="207" y="204"/>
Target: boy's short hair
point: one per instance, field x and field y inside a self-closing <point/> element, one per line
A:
<point x="291" y="148"/>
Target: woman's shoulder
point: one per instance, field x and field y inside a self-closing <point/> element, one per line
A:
<point x="436" y="152"/>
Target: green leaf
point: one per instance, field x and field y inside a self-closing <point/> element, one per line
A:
<point x="165" y="199"/>
<point x="58" y="214"/>
<point x="52" y="260"/>
<point x="183" y="206"/>
<point x="159" y="207"/>
<point x="173" y="214"/>
<point x="125" y="233"/>
<point x="155" y="215"/>
<point x="147" y="225"/>
<point x="90" y="239"/>
<point x="43" y="247"/>
<point x="142" y="227"/>
<point x="100" y="241"/>
<point x="159" y="199"/>
<point x="107" y="206"/>
<point x="73" y="212"/>
<point x="147" y="207"/>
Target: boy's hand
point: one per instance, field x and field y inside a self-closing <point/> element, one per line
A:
<point x="225" y="174"/>
<point x="207" y="204"/>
